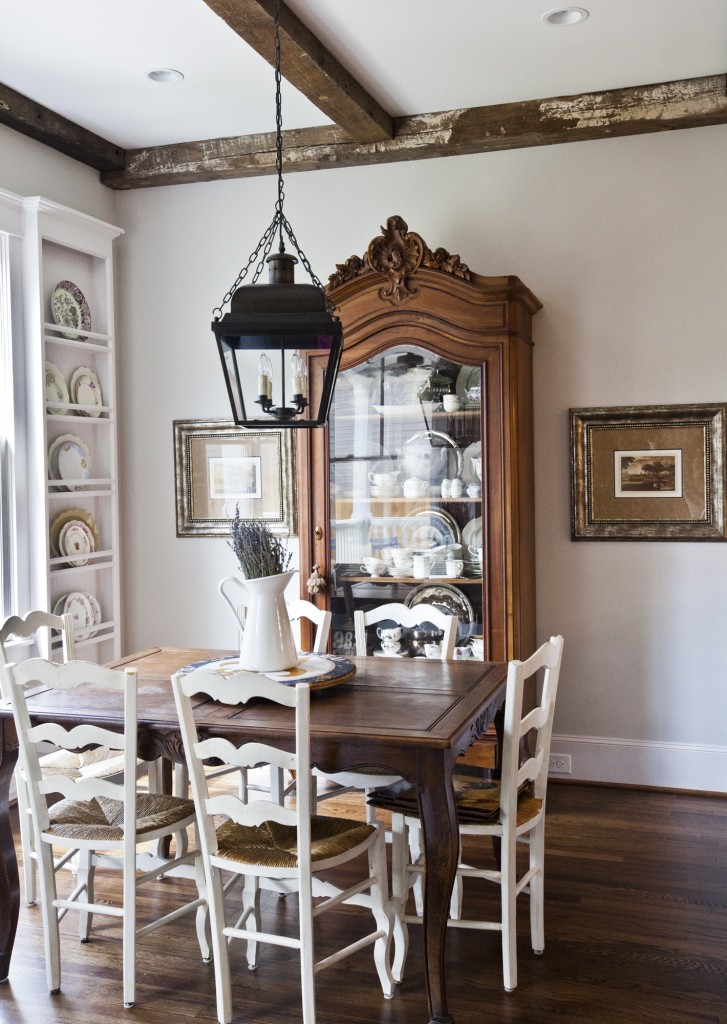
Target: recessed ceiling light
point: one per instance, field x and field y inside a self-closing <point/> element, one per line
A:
<point x="565" y="16"/>
<point x="165" y="75"/>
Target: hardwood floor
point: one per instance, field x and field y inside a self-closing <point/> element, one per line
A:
<point x="636" y="933"/>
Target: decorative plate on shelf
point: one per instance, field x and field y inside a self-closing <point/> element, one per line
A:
<point x="78" y="606"/>
<point x="70" y="309"/>
<point x="443" y="596"/>
<point x="73" y="462"/>
<point x="76" y="541"/>
<point x="69" y="458"/>
<point x="320" y="671"/>
<point x="428" y="528"/>
<point x="85" y="610"/>
<point x="65" y="517"/>
<point x="56" y="389"/>
<point x="86" y="391"/>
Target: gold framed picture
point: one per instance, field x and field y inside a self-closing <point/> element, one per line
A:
<point x="648" y="472"/>
<point x="220" y="467"/>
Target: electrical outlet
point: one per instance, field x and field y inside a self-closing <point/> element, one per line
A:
<point x="559" y="764"/>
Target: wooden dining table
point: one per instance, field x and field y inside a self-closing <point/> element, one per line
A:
<point x="410" y="717"/>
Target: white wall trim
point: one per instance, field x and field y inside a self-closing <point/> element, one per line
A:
<point x="691" y="766"/>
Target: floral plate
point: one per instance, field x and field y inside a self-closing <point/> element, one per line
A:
<point x="70" y="309"/>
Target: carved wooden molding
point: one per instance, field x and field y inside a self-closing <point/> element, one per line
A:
<point x="397" y="254"/>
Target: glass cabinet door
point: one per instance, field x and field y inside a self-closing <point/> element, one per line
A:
<point x="405" y="450"/>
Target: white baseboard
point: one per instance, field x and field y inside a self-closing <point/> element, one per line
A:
<point x="690" y="766"/>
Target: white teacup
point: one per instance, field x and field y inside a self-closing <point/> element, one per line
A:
<point x="389" y="632"/>
<point x="390" y="646"/>
<point x="454" y="566"/>
<point x="462" y="653"/>
<point x="451" y="403"/>
<point x="473" y="490"/>
<point x="373" y="566"/>
<point x="476" y="553"/>
<point x="384" y="479"/>
<point x="433" y="650"/>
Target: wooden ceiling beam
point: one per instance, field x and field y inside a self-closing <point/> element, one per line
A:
<point x="30" y="118"/>
<point x="691" y="103"/>
<point x="308" y="65"/>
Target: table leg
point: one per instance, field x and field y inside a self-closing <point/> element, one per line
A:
<point x="440" y="828"/>
<point x="9" y="880"/>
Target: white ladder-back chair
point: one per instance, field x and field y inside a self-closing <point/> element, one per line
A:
<point x="510" y="811"/>
<point x="96" y="816"/>
<point x="277" y="848"/>
<point x="102" y="761"/>
<point x="402" y="616"/>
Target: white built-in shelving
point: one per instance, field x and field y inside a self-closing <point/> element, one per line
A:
<point x="60" y="244"/>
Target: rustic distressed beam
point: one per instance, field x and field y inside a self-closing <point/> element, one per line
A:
<point x="39" y="123"/>
<point x="691" y="103"/>
<point x="308" y="65"/>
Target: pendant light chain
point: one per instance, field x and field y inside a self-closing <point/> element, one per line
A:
<point x="280" y="222"/>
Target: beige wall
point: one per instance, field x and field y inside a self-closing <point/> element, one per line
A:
<point x="625" y="243"/>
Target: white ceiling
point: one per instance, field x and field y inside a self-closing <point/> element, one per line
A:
<point x="88" y="59"/>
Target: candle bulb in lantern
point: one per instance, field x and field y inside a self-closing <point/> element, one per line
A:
<point x="297" y="369"/>
<point x="264" y="373"/>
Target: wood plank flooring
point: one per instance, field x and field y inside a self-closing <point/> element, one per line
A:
<point x="636" y="933"/>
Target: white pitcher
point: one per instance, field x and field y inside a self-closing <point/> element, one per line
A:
<point x="267" y="643"/>
<point x="422" y="566"/>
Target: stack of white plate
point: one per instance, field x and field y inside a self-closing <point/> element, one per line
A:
<point x="83" y="608"/>
<point x="405" y="571"/>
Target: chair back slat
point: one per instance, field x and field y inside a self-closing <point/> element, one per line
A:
<point x="247" y="756"/>
<point x="85" y="788"/>
<point x="76" y="738"/>
<point x="252" y="814"/>
<point x="235" y="688"/>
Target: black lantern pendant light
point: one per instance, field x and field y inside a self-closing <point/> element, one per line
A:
<point x="271" y="330"/>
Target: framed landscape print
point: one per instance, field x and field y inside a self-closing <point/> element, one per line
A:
<point x="220" y="467"/>
<point x="648" y="472"/>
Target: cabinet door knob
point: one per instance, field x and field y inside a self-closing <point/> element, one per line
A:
<point x="318" y="533"/>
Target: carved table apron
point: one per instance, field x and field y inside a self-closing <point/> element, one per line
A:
<point x="411" y="717"/>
